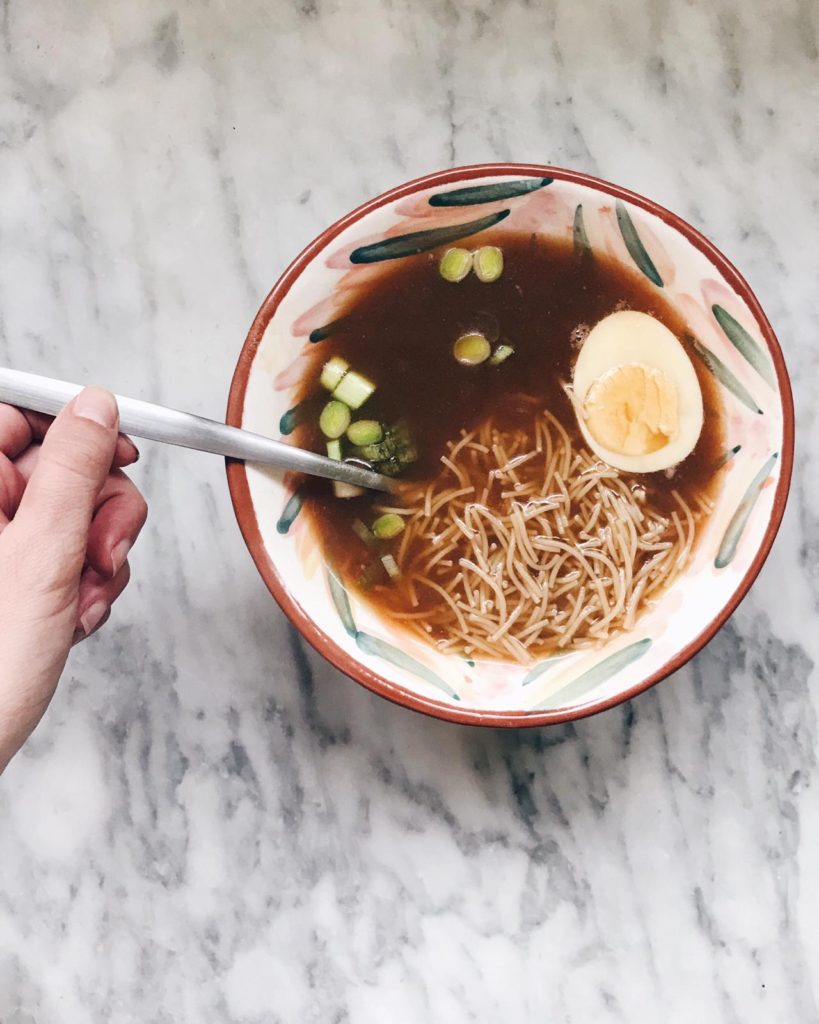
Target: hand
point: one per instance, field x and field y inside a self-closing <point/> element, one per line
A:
<point x="68" y="518"/>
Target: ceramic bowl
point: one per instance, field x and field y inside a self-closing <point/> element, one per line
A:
<point x="736" y="343"/>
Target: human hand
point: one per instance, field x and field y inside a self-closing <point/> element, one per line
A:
<point x="68" y="518"/>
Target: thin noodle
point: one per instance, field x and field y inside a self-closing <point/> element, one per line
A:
<point x="561" y="551"/>
<point x="459" y="473"/>
<point x="447" y="598"/>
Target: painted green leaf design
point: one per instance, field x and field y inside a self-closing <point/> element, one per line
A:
<point x="543" y="666"/>
<point x="724" y="375"/>
<point x="291" y="510"/>
<point x="581" y="239"/>
<point x="634" y="244"/>
<point x="474" y="194"/>
<point x="372" y="644"/>
<point x="739" y="519"/>
<point x="320" y="333"/>
<point x="726" y="456"/>
<point x="382" y="649"/>
<point x="342" y="602"/>
<point x="744" y="344"/>
<point x="594" y="676"/>
<point x="290" y="420"/>
<point x="421" y="241"/>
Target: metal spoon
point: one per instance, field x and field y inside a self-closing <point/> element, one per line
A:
<point x="156" y="423"/>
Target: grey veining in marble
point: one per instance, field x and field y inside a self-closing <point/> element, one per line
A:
<point x="213" y="825"/>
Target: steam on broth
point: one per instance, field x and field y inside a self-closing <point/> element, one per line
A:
<point x="499" y="388"/>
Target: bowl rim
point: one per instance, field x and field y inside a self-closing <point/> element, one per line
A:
<point x="245" y="514"/>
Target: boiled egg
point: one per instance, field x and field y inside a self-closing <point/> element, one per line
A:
<point x="636" y="394"/>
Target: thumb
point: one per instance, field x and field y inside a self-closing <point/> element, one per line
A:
<point x="55" y="513"/>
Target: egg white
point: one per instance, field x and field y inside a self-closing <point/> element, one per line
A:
<point x="627" y="338"/>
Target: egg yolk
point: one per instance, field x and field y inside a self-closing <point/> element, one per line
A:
<point x="632" y="410"/>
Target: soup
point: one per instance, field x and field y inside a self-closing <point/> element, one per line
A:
<point x="509" y="536"/>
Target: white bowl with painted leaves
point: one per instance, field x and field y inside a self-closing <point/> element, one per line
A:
<point x="733" y="338"/>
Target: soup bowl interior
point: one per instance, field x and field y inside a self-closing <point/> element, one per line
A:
<point x="737" y="347"/>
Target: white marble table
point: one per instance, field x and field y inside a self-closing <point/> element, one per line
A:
<point x="212" y="825"/>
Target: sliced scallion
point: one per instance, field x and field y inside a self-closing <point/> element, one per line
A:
<point x="334" y="419"/>
<point x="488" y="263"/>
<point x="343" y="490"/>
<point x="388" y="526"/>
<point x="363" y="532"/>
<point x="501" y="354"/>
<point x="334" y="449"/>
<point x="391" y="566"/>
<point x="333" y="371"/>
<point x="364" y="432"/>
<point x="354" y="389"/>
<point x="455" y="264"/>
<point x="471" y="349"/>
<point x="393" y="453"/>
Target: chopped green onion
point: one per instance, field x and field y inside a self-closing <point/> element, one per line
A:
<point x="393" y="453"/>
<point x="501" y="353"/>
<point x="488" y="263"/>
<point x="354" y="390"/>
<point x="391" y="566"/>
<point x="455" y="264"/>
<point x="334" y="449"/>
<point x="333" y="371"/>
<point x="471" y="349"/>
<point x="363" y="532"/>
<point x="343" y="490"/>
<point x="334" y="419"/>
<point x="364" y="432"/>
<point x="388" y="526"/>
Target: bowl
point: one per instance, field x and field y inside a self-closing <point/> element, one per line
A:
<point x="737" y="345"/>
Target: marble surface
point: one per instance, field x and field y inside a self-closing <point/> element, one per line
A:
<point x="212" y="824"/>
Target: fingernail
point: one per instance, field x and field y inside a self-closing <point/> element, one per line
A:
<point x="119" y="553"/>
<point x="130" y="444"/>
<point x="97" y="405"/>
<point x="93" y="616"/>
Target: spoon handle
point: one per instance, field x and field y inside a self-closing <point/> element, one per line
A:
<point x="157" y="423"/>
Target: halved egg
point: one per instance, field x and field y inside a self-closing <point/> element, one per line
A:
<point x="636" y="394"/>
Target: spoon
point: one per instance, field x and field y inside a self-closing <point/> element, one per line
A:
<point x="156" y="423"/>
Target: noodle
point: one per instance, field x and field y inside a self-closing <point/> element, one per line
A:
<point x="560" y="551"/>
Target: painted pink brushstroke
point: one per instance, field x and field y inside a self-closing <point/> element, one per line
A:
<point x="292" y="374"/>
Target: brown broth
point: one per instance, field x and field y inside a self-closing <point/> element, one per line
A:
<point x="399" y="330"/>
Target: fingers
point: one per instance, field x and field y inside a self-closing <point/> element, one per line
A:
<point x="47" y="593"/>
<point x="119" y="516"/>
<point x="121" y="513"/>
<point x="58" y="504"/>
<point x="19" y="428"/>
<point x="80" y="634"/>
<point x="15" y="431"/>
<point x="15" y="436"/>
<point x="12" y="485"/>
<point x="97" y="595"/>
<point x="127" y="452"/>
